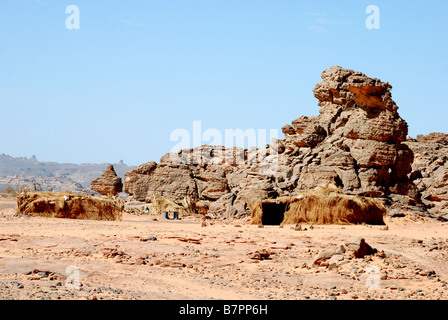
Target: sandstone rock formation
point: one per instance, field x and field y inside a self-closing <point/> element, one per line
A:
<point x="108" y="184"/>
<point x="430" y="171"/>
<point x="356" y="143"/>
<point x="224" y="176"/>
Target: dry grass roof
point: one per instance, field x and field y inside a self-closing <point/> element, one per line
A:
<point x="184" y="207"/>
<point x="324" y="206"/>
<point x="69" y="206"/>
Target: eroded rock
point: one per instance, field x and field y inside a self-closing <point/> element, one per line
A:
<point x="357" y="142"/>
<point x="108" y="184"/>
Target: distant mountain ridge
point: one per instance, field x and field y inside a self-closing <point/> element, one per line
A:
<point x="21" y="171"/>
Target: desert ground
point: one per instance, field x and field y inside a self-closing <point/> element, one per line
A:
<point x="149" y="257"/>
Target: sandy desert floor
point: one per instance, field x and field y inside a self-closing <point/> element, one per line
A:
<point x="143" y="257"/>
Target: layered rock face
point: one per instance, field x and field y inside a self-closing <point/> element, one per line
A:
<point x="224" y="176"/>
<point x="108" y="184"/>
<point x="355" y="143"/>
<point x="430" y="171"/>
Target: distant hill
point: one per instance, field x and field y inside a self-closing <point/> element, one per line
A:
<point x="22" y="171"/>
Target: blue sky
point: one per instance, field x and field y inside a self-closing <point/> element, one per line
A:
<point x="136" y="70"/>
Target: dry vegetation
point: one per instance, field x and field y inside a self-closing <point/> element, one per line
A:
<point x="69" y="206"/>
<point x="324" y="206"/>
<point x="160" y="204"/>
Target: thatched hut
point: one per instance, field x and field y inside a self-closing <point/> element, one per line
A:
<point x="184" y="207"/>
<point x="318" y="206"/>
<point x="69" y="206"/>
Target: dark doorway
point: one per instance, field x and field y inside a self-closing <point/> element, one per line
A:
<point x="273" y="213"/>
<point x="338" y="182"/>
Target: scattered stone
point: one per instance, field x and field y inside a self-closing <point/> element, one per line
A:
<point x="262" y="254"/>
<point x="428" y="273"/>
<point x="360" y="248"/>
<point x="395" y="213"/>
<point x="149" y="238"/>
<point x="17" y="284"/>
<point x="327" y="254"/>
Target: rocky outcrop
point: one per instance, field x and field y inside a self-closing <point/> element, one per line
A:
<point x="166" y="179"/>
<point x="430" y="171"/>
<point x="434" y="137"/>
<point x="108" y="184"/>
<point x="227" y="177"/>
<point x="356" y="143"/>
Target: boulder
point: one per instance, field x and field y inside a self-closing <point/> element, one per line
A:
<point x="108" y="184"/>
<point x="222" y="206"/>
<point x="360" y="248"/>
<point x="327" y="254"/>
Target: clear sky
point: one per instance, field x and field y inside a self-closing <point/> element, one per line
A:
<point x="135" y="71"/>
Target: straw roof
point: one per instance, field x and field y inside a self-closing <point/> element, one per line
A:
<point x="324" y="206"/>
